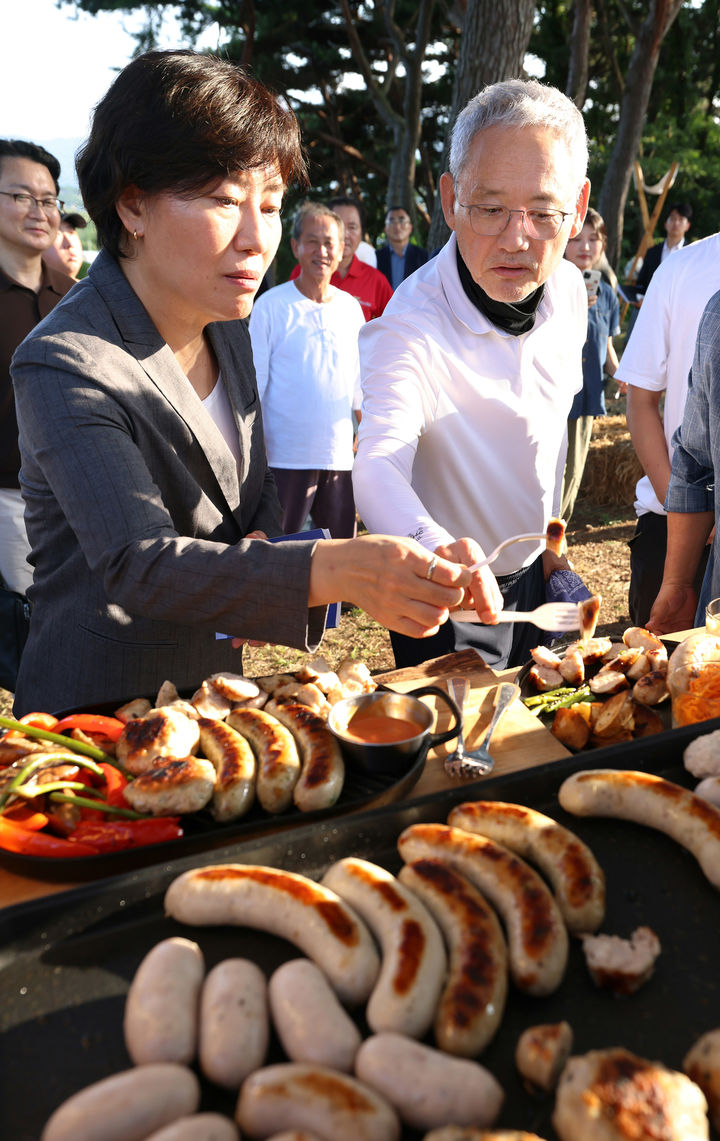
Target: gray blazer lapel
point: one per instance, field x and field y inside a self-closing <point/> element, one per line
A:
<point x="160" y="366"/>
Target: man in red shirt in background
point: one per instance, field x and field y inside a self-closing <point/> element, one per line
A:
<point x="371" y="288"/>
<point x="368" y="285"/>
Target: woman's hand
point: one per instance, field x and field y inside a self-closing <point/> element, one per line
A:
<point x="483" y="592"/>
<point x="388" y="578"/>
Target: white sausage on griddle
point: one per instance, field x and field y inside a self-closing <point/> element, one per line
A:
<point x="331" y="1104"/>
<point x="310" y="1022"/>
<point x="472" y="1002"/>
<point x="414" y="962"/>
<point x="577" y="879"/>
<point x="536" y="932"/>
<point x="646" y="799"/>
<point x="298" y="909"/>
<point x="199" y="1127"/>
<point x="127" y="1106"/>
<point x="426" y="1087"/>
<point x="234" y="1022"/>
<point x="162" y="1005"/>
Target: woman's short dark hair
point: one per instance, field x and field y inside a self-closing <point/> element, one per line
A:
<point x="177" y="121"/>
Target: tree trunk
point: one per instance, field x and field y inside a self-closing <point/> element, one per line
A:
<point x="494" y="41"/>
<point x="638" y="85"/>
<point x="579" y="48"/>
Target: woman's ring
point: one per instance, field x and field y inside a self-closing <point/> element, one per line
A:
<point x="431" y="567"/>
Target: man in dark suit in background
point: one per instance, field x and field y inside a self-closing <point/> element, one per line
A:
<point x="677" y="225"/>
<point x="398" y="258"/>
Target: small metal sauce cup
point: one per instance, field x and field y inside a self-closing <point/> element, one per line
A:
<point x="396" y="757"/>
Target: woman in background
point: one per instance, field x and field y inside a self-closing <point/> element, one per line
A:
<point x="586" y="251"/>
<point x="148" y="497"/>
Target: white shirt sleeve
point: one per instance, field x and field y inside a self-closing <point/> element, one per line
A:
<point x="644" y="360"/>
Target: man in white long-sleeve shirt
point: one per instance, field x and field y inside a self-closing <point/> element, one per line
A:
<point x="470" y="373"/>
<point x="304" y="338"/>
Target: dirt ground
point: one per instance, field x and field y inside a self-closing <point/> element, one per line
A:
<point x="597" y="546"/>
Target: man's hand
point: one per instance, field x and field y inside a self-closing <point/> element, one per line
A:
<point x="552" y="562"/>
<point x="483" y="593"/>
<point x="673" y="609"/>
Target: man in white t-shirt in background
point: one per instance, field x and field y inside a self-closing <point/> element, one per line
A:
<point x="655" y="365"/>
<point x="469" y="374"/>
<point x="305" y="336"/>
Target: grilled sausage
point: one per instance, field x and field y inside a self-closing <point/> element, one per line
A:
<point x="331" y="1104"/>
<point x="426" y="1087"/>
<point x="307" y="914"/>
<point x="576" y="877"/>
<point x="646" y="799"/>
<point x="234" y="1022"/>
<point x="323" y="771"/>
<point x="459" y="1133"/>
<point x="127" y="1106"/>
<point x="278" y="760"/>
<point x="161" y="1008"/>
<point x="537" y="936"/>
<point x="310" y="1022"/>
<point x="472" y="1002"/>
<point x="413" y="955"/>
<point x="234" y="763"/>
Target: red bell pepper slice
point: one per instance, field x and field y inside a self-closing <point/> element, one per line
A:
<point x="117" y="835"/>
<point x="108" y="727"/>
<point x="27" y="817"/>
<point x="38" y="720"/>
<point x="15" y="838"/>
<point x="112" y="787"/>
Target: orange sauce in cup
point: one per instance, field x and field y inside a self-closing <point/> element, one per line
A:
<point x="375" y="729"/>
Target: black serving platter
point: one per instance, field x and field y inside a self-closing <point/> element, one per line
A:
<point x="361" y="789"/>
<point x="66" y="961"/>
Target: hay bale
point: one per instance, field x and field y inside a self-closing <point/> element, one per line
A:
<point x="612" y="468"/>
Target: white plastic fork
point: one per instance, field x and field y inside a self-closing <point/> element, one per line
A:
<point x="560" y="617"/>
<point x="501" y="547"/>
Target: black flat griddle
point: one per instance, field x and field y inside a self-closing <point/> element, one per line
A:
<point x="67" y="960"/>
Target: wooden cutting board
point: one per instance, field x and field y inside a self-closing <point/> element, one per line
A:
<point x="520" y="740"/>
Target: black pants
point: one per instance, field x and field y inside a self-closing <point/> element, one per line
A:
<point x="502" y="646"/>
<point x="647" y="561"/>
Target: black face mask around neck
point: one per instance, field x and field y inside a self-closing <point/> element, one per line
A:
<point x="513" y="319"/>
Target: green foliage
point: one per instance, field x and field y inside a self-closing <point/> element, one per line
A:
<point x="303" y="52"/>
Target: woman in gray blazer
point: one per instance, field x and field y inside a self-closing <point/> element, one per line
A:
<point x="148" y="497"/>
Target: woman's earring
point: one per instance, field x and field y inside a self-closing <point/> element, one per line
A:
<point x="135" y="235"/>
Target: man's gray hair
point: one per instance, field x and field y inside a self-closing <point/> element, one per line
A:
<point x="519" y="103"/>
<point x="315" y="210"/>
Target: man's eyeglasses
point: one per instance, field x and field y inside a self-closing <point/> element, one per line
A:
<point x="489" y="221"/>
<point x="26" y="201"/>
